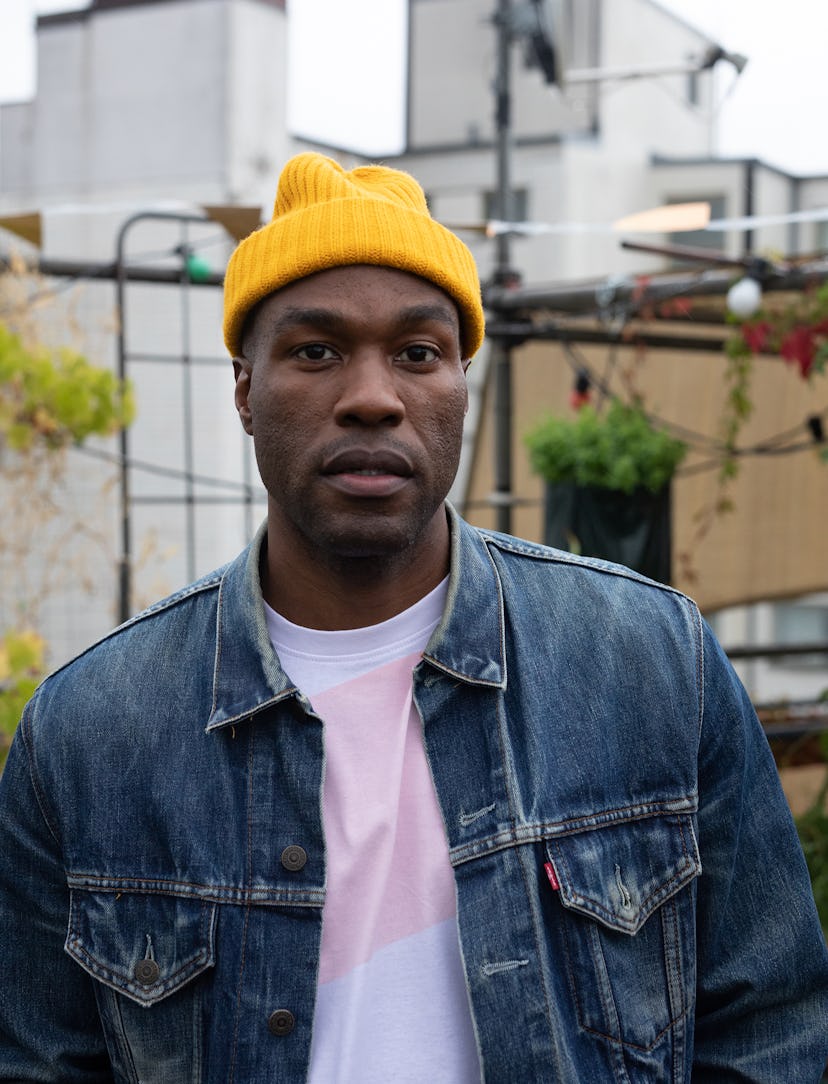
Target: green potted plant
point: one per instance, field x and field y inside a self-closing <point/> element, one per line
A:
<point x="607" y="478"/>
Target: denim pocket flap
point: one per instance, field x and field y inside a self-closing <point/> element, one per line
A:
<point x="143" y="946"/>
<point x="619" y="874"/>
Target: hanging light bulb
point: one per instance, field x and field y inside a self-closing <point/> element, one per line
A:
<point x="744" y="297"/>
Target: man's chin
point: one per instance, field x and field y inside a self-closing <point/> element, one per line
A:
<point x="377" y="547"/>
<point x="371" y="538"/>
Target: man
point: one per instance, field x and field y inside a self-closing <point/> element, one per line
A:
<point x="390" y="798"/>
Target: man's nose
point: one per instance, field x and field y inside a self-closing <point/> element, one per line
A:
<point x="369" y="393"/>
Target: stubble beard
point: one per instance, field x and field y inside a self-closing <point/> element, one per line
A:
<point x="363" y="540"/>
<point x="367" y="545"/>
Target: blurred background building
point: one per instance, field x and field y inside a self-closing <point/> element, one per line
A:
<point x="155" y="137"/>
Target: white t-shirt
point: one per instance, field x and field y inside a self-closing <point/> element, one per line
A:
<point x="392" y="1002"/>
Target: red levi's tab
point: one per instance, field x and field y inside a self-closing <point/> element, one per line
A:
<point x="550" y="873"/>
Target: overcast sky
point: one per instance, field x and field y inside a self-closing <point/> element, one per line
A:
<point x="776" y="110"/>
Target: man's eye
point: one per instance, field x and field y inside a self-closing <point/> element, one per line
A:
<point x="315" y="352"/>
<point x="419" y="353"/>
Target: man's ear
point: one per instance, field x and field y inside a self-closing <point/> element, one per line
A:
<point x="242" y="370"/>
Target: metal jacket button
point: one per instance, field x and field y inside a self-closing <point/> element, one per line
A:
<point x="147" y="972"/>
<point x="294" y="857"/>
<point x="281" y="1022"/>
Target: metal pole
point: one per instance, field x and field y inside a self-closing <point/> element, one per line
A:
<point x="187" y="410"/>
<point x="125" y="559"/>
<point x="503" y="122"/>
<point x="750" y="187"/>
<point x="124" y="582"/>
<point x="501" y="359"/>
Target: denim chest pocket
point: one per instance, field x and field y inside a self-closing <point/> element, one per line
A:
<point x="628" y="920"/>
<point x="147" y="953"/>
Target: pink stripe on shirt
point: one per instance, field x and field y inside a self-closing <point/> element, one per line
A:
<point x="388" y="869"/>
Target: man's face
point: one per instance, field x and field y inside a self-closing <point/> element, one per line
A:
<point x="354" y="391"/>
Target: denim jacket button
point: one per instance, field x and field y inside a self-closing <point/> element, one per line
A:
<point x="147" y="972"/>
<point x="281" y="1022"/>
<point x="294" y="857"/>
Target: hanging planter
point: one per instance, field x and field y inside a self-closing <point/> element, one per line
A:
<point x="608" y="485"/>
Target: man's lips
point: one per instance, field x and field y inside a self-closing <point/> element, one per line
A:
<point x="367" y="472"/>
<point x="368" y="461"/>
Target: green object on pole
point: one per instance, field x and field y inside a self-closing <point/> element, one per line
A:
<point x="198" y="270"/>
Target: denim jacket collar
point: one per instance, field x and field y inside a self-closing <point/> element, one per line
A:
<point x="468" y="643"/>
<point x="247" y="675"/>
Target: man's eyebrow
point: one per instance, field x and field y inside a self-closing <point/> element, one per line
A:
<point x="443" y="314"/>
<point x="295" y="317"/>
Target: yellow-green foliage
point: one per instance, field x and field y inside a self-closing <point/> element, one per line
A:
<point x="48" y="399"/>
<point x="21" y="667"/>
<point x="56" y="397"/>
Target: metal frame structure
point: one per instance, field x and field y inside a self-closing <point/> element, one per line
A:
<point x="123" y="274"/>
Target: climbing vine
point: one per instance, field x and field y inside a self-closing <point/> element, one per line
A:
<point x="51" y="398"/>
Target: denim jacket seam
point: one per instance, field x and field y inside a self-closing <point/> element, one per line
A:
<point x="599" y="906"/>
<point x="27" y="734"/>
<point x="123" y="1045"/>
<point x="674" y="958"/>
<point x="540" y="552"/>
<point x="699" y="637"/>
<point x="508" y="766"/>
<point x="237" y="1021"/>
<point x="501" y="621"/>
<point x="217" y="656"/>
<point x="607" y="818"/>
<point x="449" y="671"/>
<point x="191" y="890"/>
<point x="539" y="954"/>
<point x="616" y="1041"/>
<point x="518" y="836"/>
<point x="199" y="961"/>
<point x="251" y="749"/>
<point x="209" y="583"/>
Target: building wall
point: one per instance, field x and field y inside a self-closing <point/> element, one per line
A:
<point x="106" y="83"/>
<point x="651" y="114"/>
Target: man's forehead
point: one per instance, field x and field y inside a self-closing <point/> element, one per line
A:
<point x="318" y="298"/>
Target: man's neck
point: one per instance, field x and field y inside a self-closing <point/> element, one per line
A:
<point x="351" y="592"/>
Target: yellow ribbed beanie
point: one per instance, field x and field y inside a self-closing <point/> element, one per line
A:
<point x="326" y="217"/>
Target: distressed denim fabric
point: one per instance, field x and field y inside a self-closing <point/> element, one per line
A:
<point x="633" y="905"/>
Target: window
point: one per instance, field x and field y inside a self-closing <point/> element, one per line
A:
<point x="802" y="623"/>
<point x="822" y="237"/>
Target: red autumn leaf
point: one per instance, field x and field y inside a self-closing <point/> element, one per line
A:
<point x="799" y="347"/>
<point x="756" y="335"/>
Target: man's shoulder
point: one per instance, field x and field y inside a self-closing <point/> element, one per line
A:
<point x="544" y="560"/>
<point x="147" y="626"/>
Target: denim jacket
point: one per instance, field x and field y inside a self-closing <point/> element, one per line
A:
<point x="632" y="902"/>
